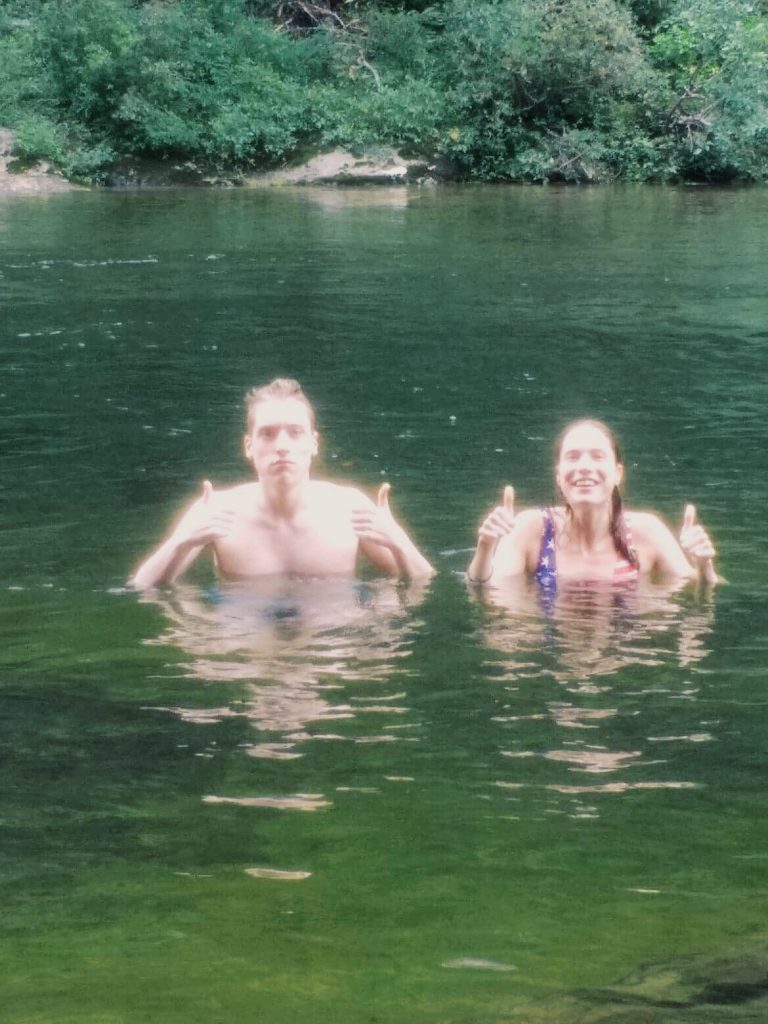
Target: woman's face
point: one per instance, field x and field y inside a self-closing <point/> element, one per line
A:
<point x="587" y="470"/>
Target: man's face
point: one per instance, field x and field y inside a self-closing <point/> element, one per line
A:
<point x="281" y="442"/>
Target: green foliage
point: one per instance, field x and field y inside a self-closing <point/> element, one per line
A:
<point x="573" y="90"/>
<point x="403" y="116"/>
<point x="537" y="83"/>
<point x="40" y="138"/>
<point x="195" y="80"/>
<point x="384" y="89"/>
<point x="649" y="13"/>
<point x="399" y="44"/>
<point x="16" y="60"/>
<point x="199" y="86"/>
<point x="714" y="54"/>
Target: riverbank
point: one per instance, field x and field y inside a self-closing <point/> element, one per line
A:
<point x="338" y="167"/>
<point x="40" y="179"/>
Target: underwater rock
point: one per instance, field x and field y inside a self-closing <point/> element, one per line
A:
<point x="689" y="990"/>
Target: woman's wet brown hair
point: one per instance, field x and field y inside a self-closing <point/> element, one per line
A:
<point x="618" y="524"/>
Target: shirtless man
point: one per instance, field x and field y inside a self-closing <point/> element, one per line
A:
<point x="285" y="523"/>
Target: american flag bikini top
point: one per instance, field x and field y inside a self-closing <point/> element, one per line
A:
<point x="546" y="570"/>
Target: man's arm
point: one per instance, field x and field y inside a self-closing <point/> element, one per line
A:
<point x="202" y="523"/>
<point x="384" y="542"/>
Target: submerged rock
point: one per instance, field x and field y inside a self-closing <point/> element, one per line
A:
<point x="699" y="982"/>
<point x="693" y="990"/>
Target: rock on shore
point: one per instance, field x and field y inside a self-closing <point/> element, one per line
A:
<point x="339" y="167"/>
<point x="37" y="180"/>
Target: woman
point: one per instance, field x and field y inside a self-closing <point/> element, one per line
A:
<point x="588" y="537"/>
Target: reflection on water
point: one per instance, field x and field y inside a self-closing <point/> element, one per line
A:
<point x="571" y="790"/>
<point x="336" y="200"/>
<point x="568" y="660"/>
<point x="291" y="645"/>
<point x="596" y="628"/>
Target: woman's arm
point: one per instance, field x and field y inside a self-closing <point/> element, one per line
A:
<point x="698" y="547"/>
<point x="503" y="541"/>
<point x="690" y="557"/>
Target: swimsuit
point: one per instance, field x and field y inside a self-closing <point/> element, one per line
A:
<point x="546" y="568"/>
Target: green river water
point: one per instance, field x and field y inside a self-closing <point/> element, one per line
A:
<point x="370" y="803"/>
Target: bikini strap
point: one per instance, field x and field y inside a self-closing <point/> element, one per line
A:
<point x="546" y="569"/>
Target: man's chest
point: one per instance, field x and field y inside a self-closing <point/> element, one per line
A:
<point x="316" y="545"/>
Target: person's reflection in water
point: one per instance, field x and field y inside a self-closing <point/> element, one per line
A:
<point x="588" y="671"/>
<point x="291" y="644"/>
<point x="592" y="628"/>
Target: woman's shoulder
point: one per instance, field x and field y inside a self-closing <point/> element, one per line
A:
<point x="530" y="521"/>
<point x="525" y="537"/>
<point x="645" y="524"/>
<point x="529" y="524"/>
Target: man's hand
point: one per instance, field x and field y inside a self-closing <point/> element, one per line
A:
<point x="205" y="522"/>
<point x="376" y="528"/>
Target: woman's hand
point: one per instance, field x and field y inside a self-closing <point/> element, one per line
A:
<point x="500" y="521"/>
<point x="697" y="545"/>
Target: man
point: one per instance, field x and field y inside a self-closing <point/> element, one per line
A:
<point x="285" y="523"/>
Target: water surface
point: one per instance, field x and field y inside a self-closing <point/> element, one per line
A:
<point x="337" y="801"/>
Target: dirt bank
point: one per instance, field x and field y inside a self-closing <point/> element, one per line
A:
<point x="37" y="180"/>
<point x="339" y="167"/>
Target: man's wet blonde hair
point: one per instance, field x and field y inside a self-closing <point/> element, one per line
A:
<point x="280" y="388"/>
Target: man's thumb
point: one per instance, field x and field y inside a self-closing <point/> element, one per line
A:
<point x="689" y="516"/>
<point x="207" y="491"/>
<point x="382" y="498"/>
<point x="509" y="499"/>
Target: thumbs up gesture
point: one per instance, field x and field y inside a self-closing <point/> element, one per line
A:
<point x="382" y="498"/>
<point x="697" y="545"/>
<point x="208" y="520"/>
<point x="376" y="523"/>
<point x="500" y="521"/>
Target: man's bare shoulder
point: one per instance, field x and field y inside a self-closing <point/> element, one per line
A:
<point x="342" y="495"/>
<point x="238" y="495"/>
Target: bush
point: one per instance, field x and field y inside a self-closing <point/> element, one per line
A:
<point x="573" y="90"/>
<point x="195" y="80"/>
<point x="715" y="56"/>
<point x="539" y="86"/>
